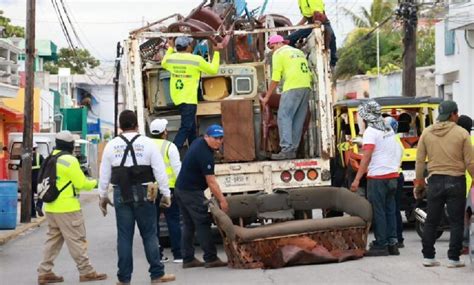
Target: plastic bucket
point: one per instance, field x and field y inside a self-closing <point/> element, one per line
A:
<point x="8" y="204"/>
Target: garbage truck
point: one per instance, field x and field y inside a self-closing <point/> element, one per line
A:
<point x="232" y="96"/>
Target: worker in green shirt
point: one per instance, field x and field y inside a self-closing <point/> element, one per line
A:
<point x="314" y="10"/>
<point x="186" y="69"/>
<point x="289" y="64"/>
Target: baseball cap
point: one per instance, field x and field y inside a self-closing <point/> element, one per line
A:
<point x="158" y="126"/>
<point x="65" y="136"/>
<point x="183" y="41"/>
<point x="275" y="39"/>
<point x="215" y="131"/>
<point x="446" y="108"/>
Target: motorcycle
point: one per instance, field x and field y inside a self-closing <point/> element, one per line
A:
<point x="420" y="218"/>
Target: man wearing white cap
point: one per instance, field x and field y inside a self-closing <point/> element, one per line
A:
<point x="170" y="154"/>
<point x="185" y="69"/>
<point x="289" y="64"/>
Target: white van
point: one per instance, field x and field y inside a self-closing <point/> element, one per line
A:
<point x="46" y="143"/>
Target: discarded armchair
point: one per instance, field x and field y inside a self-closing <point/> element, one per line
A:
<point x="289" y="241"/>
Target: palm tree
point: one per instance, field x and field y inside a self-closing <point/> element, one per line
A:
<point x="379" y="11"/>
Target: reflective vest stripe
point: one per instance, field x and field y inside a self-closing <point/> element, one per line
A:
<point x="183" y="61"/>
<point x="37" y="165"/>
<point x="164" y="152"/>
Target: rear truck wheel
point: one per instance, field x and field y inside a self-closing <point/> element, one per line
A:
<point x="419" y="227"/>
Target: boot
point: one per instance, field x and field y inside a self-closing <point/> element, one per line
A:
<point x="49" y="277"/>
<point x="194" y="263"/>
<point x="164" y="278"/>
<point x="215" y="263"/>
<point x="93" y="276"/>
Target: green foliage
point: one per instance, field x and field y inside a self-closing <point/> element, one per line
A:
<point x="11" y="30"/>
<point x="77" y="61"/>
<point x="425" y="53"/>
<point x="379" y="11"/>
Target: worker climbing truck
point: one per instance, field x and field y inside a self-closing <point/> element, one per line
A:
<point x="232" y="96"/>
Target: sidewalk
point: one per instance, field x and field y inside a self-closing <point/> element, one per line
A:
<point x="7" y="235"/>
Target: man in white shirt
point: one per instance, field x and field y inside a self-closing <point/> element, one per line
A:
<point x="170" y="155"/>
<point x="381" y="159"/>
<point x="132" y="162"/>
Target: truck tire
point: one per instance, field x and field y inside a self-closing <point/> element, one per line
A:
<point x="419" y="227"/>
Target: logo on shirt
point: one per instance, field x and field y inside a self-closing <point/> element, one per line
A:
<point x="179" y="84"/>
<point x="208" y="166"/>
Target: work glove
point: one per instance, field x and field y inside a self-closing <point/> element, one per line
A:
<point x="165" y="201"/>
<point x="103" y="204"/>
<point x="152" y="192"/>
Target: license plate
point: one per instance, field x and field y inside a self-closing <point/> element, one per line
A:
<point x="236" y="180"/>
<point x="409" y="175"/>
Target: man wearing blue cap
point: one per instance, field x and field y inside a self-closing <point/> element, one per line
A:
<point x="196" y="175"/>
<point x="185" y="69"/>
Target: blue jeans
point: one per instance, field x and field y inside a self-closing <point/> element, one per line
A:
<point x="304" y="33"/>
<point x="173" y="221"/>
<point x="381" y="194"/>
<point x="196" y="219"/>
<point x="291" y="116"/>
<point x="187" y="129"/>
<point x="144" y="214"/>
<point x="398" y="214"/>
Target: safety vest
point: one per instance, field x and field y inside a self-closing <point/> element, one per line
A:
<point x="37" y="165"/>
<point x="308" y="7"/>
<point x="68" y="170"/>
<point x="164" y="146"/>
<point x="185" y="70"/>
<point x="468" y="177"/>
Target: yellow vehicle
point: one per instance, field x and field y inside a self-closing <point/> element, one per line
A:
<point x="413" y="116"/>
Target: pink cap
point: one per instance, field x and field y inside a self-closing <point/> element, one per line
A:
<point x="275" y="39"/>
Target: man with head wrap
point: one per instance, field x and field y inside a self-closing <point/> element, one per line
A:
<point x="381" y="160"/>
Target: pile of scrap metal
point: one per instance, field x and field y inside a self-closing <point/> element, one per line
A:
<point x="214" y="24"/>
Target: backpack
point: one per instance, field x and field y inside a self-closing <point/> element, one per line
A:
<point x="47" y="190"/>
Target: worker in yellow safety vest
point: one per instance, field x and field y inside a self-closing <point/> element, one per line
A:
<point x="314" y="11"/>
<point x="64" y="216"/>
<point x="186" y="69"/>
<point x="35" y="167"/>
<point x="170" y="154"/>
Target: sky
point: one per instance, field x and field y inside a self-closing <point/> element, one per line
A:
<point x="100" y="24"/>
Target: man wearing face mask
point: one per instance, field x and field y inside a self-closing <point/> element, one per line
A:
<point x="196" y="175"/>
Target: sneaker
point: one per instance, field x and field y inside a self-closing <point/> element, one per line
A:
<point x="430" y="262"/>
<point x="40" y="211"/>
<point x="377" y="251"/>
<point x="178" y="260"/>
<point x="284" y="155"/>
<point x="164" y="259"/>
<point x="194" y="263"/>
<point x="93" y="276"/>
<point x="164" y="278"/>
<point x="49" y="277"/>
<point x="455" y="263"/>
<point x="400" y="244"/>
<point x="215" y="263"/>
<point x="465" y="250"/>
<point x="393" y="249"/>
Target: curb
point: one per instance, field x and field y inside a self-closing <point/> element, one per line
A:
<point x="22" y="228"/>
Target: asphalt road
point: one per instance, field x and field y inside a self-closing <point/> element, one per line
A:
<point x="19" y="259"/>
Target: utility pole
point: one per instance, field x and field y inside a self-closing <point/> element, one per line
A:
<point x="116" y="86"/>
<point x="26" y="155"/>
<point x="407" y="11"/>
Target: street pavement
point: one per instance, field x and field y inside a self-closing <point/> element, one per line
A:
<point x="20" y="257"/>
